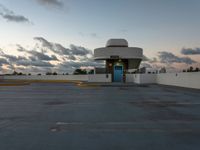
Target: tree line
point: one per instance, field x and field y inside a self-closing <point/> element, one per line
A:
<point x="191" y="69"/>
<point x="76" y="72"/>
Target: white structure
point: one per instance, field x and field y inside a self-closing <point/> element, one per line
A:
<point x="118" y="49"/>
<point x="119" y="58"/>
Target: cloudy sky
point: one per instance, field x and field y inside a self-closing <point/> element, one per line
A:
<point x="60" y="35"/>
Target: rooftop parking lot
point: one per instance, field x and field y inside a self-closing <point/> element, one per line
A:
<point x="60" y="116"/>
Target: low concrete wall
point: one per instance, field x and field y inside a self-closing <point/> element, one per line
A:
<point x="99" y="78"/>
<point x="141" y="78"/>
<point x="189" y="80"/>
<point x="50" y="77"/>
<point x="147" y="78"/>
<point x="89" y="78"/>
<point x="133" y="78"/>
<point x="130" y="78"/>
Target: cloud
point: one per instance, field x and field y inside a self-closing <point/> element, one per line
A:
<point x="55" y="3"/>
<point x="169" y="58"/>
<point x="40" y="56"/>
<point x="91" y="35"/>
<point x="14" y="18"/>
<point x="9" y="15"/>
<point x="44" y="42"/>
<point x="55" y="47"/>
<point x="35" y="55"/>
<point x="12" y="58"/>
<point x="78" y="50"/>
<point x="61" y="50"/>
<point x="71" y="57"/>
<point x="190" y="51"/>
<point x="3" y="61"/>
<point x="23" y="61"/>
<point x="37" y="63"/>
<point x="39" y="69"/>
<point x="20" y="48"/>
<point x="149" y="60"/>
<point x="71" y="65"/>
<point x="146" y="65"/>
<point x="145" y="58"/>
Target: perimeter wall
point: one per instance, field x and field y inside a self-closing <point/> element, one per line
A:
<point x="49" y="77"/>
<point x="189" y="80"/>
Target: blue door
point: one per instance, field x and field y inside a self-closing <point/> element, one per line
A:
<point x="118" y="73"/>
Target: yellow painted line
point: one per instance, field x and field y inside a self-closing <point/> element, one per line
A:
<point x="14" y="84"/>
<point x="85" y="85"/>
<point x="52" y="81"/>
<point x="28" y="82"/>
<point x="42" y="81"/>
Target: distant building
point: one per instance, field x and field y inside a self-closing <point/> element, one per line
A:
<point x="119" y="58"/>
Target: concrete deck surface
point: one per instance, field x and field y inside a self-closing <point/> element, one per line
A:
<point x="61" y="116"/>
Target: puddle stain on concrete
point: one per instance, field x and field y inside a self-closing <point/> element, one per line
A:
<point x="164" y="110"/>
<point x="116" y="127"/>
<point x="159" y="104"/>
<point x="54" y="103"/>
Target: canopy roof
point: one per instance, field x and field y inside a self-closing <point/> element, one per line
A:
<point x="118" y="49"/>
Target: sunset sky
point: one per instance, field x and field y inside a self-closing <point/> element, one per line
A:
<point x="60" y="35"/>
